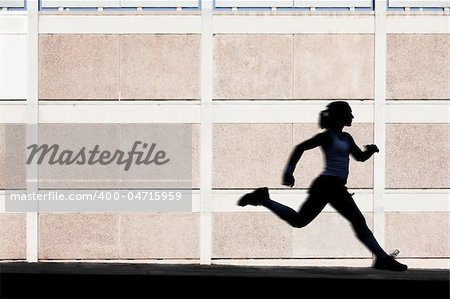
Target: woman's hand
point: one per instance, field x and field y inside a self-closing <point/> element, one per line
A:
<point x="372" y="148"/>
<point x="288" y="179"/>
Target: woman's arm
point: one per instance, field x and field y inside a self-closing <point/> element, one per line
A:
<point x="318" y="140"/>
<point x="360" y="155"/>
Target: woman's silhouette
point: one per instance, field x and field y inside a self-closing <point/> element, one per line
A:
<point x="329" y="187"/>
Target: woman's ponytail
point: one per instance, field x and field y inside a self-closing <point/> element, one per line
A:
<point x="335" y="113"/>
<point x="324" y="119"/>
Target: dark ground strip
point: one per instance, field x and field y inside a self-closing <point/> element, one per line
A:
<point x="94" y="280"/>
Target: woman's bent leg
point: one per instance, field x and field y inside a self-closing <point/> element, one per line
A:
<point x="309" y="210"/>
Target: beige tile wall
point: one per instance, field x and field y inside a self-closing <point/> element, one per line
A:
<point x="329" y="236"/>
<point x="12" y="156"/>
<point x="293" y="66"/>
<point x="78" y="236"/>
<point x="254" y="155"/>
<point x="246" y="67"/>
<point x="250" y="235"/>
<point x="112" y="67"/>
<point x="424" y="235"/>
<point x="417" y="156"/>
<point x="418" y="66"/>
<point x="12" y="236"/>
<point x="78" y="67"/>
<point x="114" y="236"/>
<point x="160" y="235"/>
<point x="160" y="66"/>
<point x="253" y="66"/>
<point x="250" y="155"/>
<point x="333" y="66"/>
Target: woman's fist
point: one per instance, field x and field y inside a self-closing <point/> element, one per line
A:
<point x="372" y="147"/>
<point x="288" y="179"/>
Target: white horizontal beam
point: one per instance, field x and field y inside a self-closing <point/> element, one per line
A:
<point x="419" y="3"/>
<point x="254" y="3"/>
<point x="229" y="24"/>
<point x="239" y="24"/>
<point x="156" y="3"/>
<point x="426" y="200"/>
<point x="333" y="3"/>
<point x="292" y="24"/>
<point x="401" y="200"/>
<point x="120" y="112"/>
<point x="417" y="24"/>
<point x="119" y="24"/>
<point x="13" y="23"/>
<point x="225" y="200"/>
<point x="223" y="111"/>
<point x="417" y="112"/>
<point x="13" y="112"/>
<point x="406" y="201"/>
<point x="281" y="111"/>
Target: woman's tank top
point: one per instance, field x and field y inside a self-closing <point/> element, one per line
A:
<point x="337" y="156"/>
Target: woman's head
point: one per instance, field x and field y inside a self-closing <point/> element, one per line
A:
<point x="337" y="114"/>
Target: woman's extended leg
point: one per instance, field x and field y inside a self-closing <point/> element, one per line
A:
<point x="313" y="205"/>
<point x="308" y="211"/>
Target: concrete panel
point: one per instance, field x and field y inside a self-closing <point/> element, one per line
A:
<point x="330" y="235"/>
<point x="419" y="234"/>
<point x="253" y="66"/>
<point x="333" y="66"/>
<point x="12" y="236"/>
<point x="74" y="137"/>
<point x="250" y="235"/>
<point x="417" y="156"/>
<point x="12" y="156"/>
<point x="250" y="155"/>
<point x="159" y="236"/>
<point x="418" y="66"/>
<point x="78" y="67"/>
<point x="160" y="66"/>
<point x="78" y="236"/>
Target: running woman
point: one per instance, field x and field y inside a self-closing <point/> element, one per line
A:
<point x="329" y="187"/>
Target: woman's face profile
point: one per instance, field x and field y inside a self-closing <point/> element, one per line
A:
<point x="348" y="118"/>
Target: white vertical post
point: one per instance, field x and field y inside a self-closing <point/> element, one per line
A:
<point x="379" y="175"/>
<point x="32" y="128"/>
<point x="206" y="133"/>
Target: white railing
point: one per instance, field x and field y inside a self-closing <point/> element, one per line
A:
<point x="161" y="3"/>
<point x="234" y="4"/>
<point x="79" y="3"/>
<point x="62" y="4"/>
<point x="253" y="3"/>
<point x="407" y="4"/>
<point x="5" y="4"/>
<point x="311" y="4"/>
<point x="333" y="4"/>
